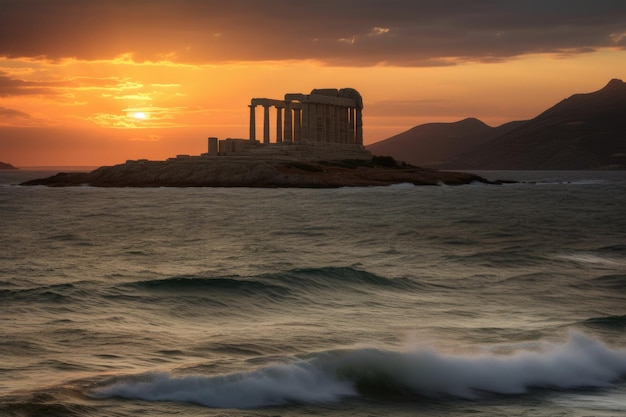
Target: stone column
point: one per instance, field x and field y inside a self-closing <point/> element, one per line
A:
<point x="297" y="125"/>
<point x="333" y="124"/>
<point x="266" y="123"/>
<point x="313" y="131"/>
<point x="359" y="127"/>
<point x="288" y="118"/>
<point x="252" y="123"/>
<point x="323" y="137"/>
<point x="337" y="124"/>
<point x="328" y="126"/>
<point x="306" y="122"/>
<point x="347" y="124"/>
<point x="338" y="137"/>
<point x="327" y="123"/>
<point x="343" y="127"/>
<point x="351" y="125"/>
<point x="213" y="147"/>
<point x="338" y="121"/>
<point x="279" y="124"/>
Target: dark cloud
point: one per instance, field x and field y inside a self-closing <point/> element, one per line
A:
<point x="6" y="113"/>
<point x="16" y="87"/>
<point x="350" y="32"/>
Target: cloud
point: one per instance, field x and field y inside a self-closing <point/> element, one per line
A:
<point x="17" y="87"/>
<point x="10" y="117"/>
<point x="377" y="31"/>
<point x="371" y="32"/>
<point x="64" y="90"/>
<point x="142" y="117"/>
<point x="138" y="97"/>
<point x="146" y="138"/>
<point x="6" y="113"/>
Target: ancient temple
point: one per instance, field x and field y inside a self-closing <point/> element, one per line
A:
<point x="325" y="115"/>
<point x="327" y="123"/>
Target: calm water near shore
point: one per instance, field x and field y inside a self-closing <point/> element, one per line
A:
<point x="401" y="300"/>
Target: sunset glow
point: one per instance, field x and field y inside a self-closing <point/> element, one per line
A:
<point x="143" y="91"/>
<point x="139" y="115"/>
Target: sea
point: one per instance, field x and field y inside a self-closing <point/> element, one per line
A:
<point x="481" y="300"/>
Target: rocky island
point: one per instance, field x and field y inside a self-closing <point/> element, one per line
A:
<point x="318" y="144"/>
<point x="241" y="172"/>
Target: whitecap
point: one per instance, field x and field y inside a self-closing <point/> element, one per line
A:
<point x="327" y="377"/>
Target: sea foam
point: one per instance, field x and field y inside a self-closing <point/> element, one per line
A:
<point x="327" y="377"/>
<point x="275" y="385"/>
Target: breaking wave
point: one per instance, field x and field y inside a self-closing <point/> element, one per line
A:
<point x="328" y="377"/>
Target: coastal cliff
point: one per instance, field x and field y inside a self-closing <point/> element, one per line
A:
<point x="246" y="172"/>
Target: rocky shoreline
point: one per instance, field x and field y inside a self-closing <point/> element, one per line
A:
<point x="246" y="172"/>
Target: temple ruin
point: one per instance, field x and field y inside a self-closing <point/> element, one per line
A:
<point x="325" y="124"/>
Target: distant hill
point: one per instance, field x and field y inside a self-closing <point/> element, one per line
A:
<point x="584" y="131"/>
<point x="432" y="144"/>
<point x="4" y="165"/>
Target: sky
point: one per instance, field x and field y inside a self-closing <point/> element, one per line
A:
<point x="99" y="82"/>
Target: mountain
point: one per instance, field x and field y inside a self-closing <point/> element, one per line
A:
<point x="4" y="165"/>
<point x="433" y="143"/>
<point x="584" y="131"/>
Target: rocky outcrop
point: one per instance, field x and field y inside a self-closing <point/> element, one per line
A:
<point x="4" y="165"/>
<point x="245" y="172"/>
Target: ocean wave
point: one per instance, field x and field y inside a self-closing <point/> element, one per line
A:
<point x="327" y="377"/>
<point x="277" y="283"/>
<point x="592" y="258"/>
<point x="613" y="248"/>
<point x="505" y="257"/>
<point x="612" y="282"/>
<point x="55" y="293"/>
<point x="56" y="403"/>
<point x="275" y="385"/>
<point x="335" y="277"/>
<point x="196" y="293"/>
<point x="195" y="283"/>
<point x="618" y="322"/>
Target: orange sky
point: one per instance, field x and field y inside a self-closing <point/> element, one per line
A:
<point x="100" y="82"/>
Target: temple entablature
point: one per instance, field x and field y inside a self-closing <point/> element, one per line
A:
<point x="319" y="99"/>
<point x="267" y="102"/>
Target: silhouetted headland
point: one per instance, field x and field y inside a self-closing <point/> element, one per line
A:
<point x="4" y="165"/>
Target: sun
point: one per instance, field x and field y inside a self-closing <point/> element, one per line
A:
<point x="139" y="115"/>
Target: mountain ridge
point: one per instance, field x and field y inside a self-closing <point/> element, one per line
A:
<point x="583" y="131"/>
